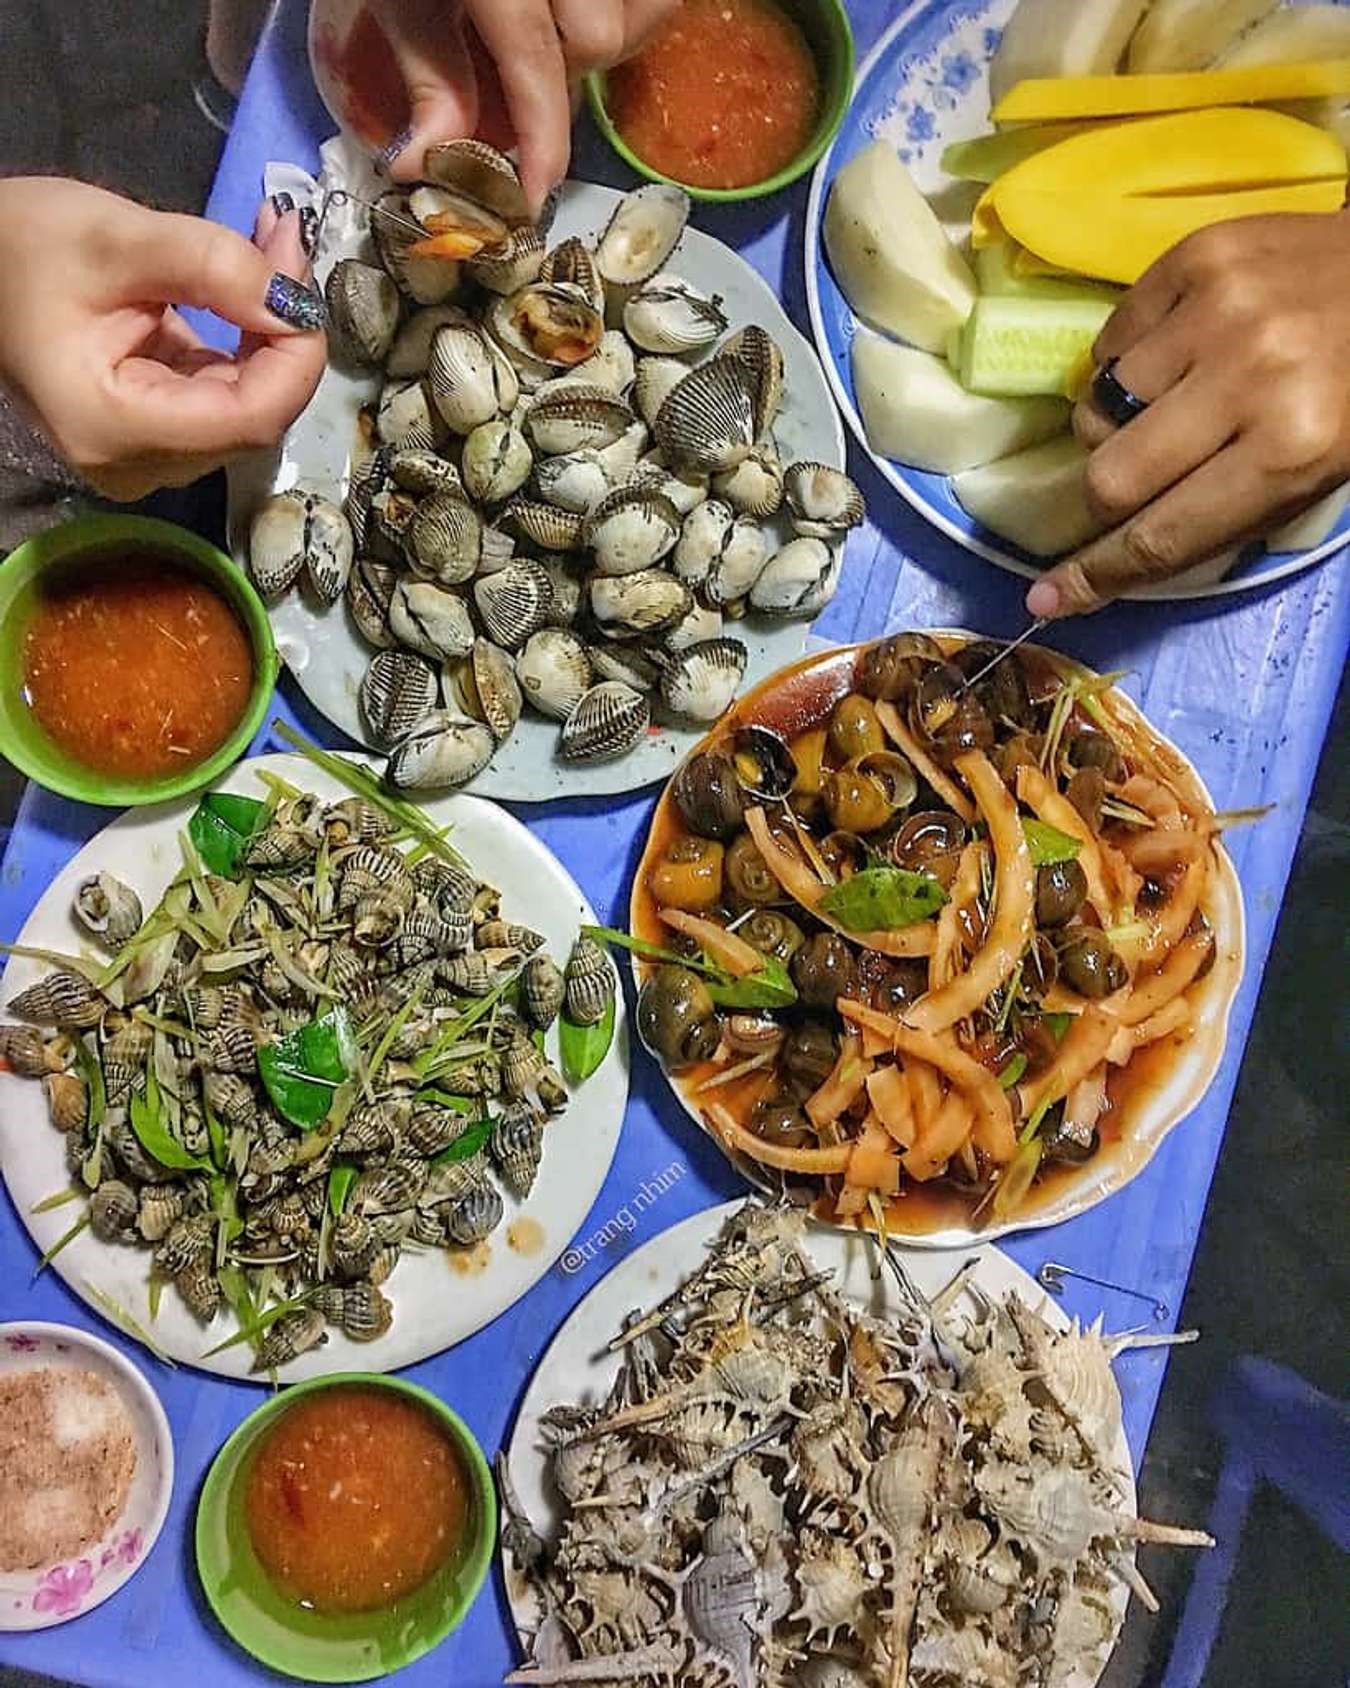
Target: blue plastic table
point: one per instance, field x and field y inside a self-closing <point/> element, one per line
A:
<point x="1245" y="687"/>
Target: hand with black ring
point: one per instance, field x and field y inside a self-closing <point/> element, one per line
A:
<point x="1238" y="344"/>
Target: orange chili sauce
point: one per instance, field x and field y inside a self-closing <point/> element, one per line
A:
<point x="355" y="1498"/>
<point x="724" y="96"/>
<point x="791" y="703"/>
<point x="134" y="665"/>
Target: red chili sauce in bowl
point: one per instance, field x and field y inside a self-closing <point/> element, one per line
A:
<point x="134" y="665"/>
<point x="725" y="95"/>
<point x="355" y="1498"/>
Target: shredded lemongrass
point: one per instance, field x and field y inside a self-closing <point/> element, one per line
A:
<point x="751" y="1064"/>
<point x="127" y="1322"/>
<point x="58" y="1200"/>
<point x="1114" y="809"/>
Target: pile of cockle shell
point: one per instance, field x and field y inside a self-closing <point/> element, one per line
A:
<point x="545" y="511"/>
<point x="783" y="1490"/>
<point x="329" y="911"/>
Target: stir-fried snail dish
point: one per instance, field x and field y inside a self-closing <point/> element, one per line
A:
<point x="917" y="934"/>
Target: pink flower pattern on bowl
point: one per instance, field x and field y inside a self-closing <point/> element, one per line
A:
<point x="61" y="1590"/>
<point x="125" y="1550"/>
<point x="19" y="1342"/>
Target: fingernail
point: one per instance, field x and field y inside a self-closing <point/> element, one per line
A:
<point x="390" y="151"/>
<point x="282" y="203"/>
<point x="309" y="229"/>
<point x="293" y="303"/>
<point x="1043" y="599"/>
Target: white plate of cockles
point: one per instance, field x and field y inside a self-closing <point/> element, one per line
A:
<point x="590" y="484"/>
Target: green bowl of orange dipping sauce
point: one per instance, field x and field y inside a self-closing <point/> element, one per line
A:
<point x="346" y="1527"/>
<point x="731" y="99"/>
<point x="136" y="661"/>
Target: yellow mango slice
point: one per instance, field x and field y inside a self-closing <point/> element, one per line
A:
<point x="1117" y="240"/>
<point x="1065" y="98"/>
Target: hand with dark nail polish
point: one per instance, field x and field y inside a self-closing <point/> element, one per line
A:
<point x="93" y="347"/>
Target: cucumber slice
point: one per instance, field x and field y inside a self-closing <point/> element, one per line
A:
<point x="998" y="276"/>
<point x="1036" y="499"/>
<point x="1017" y="348"/>
<point x="917" y="412"/>
<point x="1293" y="35"/>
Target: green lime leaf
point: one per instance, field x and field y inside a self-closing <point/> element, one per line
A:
<point x="1058" y="1024"/>
<point x="1048" y="844"/>
<point x="443" y="1099"/>
<point x="302" y="1070"/>
<point x="649" y="951"/>
<point x="222" y="828"/>
<point x="583" y="1048"/>
<point x="1012" y="1070"/>
<point x="340" y="1181"/>
<point x="467" y="1146"/>
<point x="153" y="1134"/>
<point x="879" y="899"/>
<point x="770" y="987"/>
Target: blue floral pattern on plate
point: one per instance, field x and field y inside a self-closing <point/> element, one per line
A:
<point x="924" y="86"/>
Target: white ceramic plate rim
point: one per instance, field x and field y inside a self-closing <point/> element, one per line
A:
<point x="17" y="1588"/>
<point x="527" y="769"/>
<point x="434" y="1306"/>
<point x="1128" y="1160"/>
<point x="820" y="182"/>
<point x="572" y="1370"/>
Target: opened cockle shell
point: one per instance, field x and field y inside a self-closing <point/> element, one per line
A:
<point x="762" y="356"/>
<point x="514" y="264"/>
<point x="369" y="589"/>
<point x="443" y="749"/>
<point x="547" y="525"/>
<point x="668" y="316"/>
<point x="391" y="514"/>
<point x="740" y="564"/>
<point x="431" y="620"/>
<point x="411" y="351"/>
<point x="703" y="538"/>
<point x="824" y="502"/>
<point x="546" y="326"/>
<point x="575" y="481"/>
<point x="708" y="420"/>
<point x="800" y="580"/>
<point x="425" y="280"/>
<point x="644" y="602"/>
<point x="571" y="263"/>
<point x="483" y="174"/>
<point x="608" y="721"/>
<point x="571" y="417"/>
<point x="398" y="689"/>
<point x="646" y="227"/>
<point x="611" y="365"/>
<point x="496" y="461"/>
<point x="462" y="378"/>
<point x="456" y="226"/>
<point x="363" y="308"/>
<point x="700" y="682"/>
<point x="487" y="688"/>
<point x="513" y="602"/>
<point x="554" y="672"/>
<point x="755" y="486"/>
<point x="405" y="420"/>
<point x="631" y="529"/>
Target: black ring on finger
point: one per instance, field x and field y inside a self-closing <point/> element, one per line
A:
<point x="1113" y="398"/>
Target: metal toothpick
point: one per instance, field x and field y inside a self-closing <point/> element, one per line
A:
<point x="1030" y="633"/>
<point x="336" y="197"/>
<point x="1052" y="1275"/>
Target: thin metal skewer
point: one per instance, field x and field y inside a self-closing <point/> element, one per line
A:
<point x="342" y="196"/>
<point x="1052" y="1275"/>
<point x="1029" y="633"/>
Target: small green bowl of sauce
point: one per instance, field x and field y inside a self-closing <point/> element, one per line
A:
<point x="346" y="1527"/>
<point x="136" y="661"/>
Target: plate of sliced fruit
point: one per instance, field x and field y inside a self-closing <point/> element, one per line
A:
<point x="998" y="182"/>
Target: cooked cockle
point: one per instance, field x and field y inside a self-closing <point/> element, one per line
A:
<point x="870" y="1526"/>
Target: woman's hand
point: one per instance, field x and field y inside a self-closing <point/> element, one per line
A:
<point x="459" y="55"/>
<point x="1239" y="341"/>
<point x="92" y="347"/>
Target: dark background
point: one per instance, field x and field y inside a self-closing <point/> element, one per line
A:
<point x="106" y="93"/>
